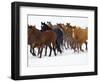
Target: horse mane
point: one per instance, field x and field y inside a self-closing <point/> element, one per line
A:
<point x="33" y="28"/>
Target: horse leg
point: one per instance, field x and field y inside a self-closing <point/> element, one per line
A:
<point x="67" y="44"/>
<point x="64" y="45"/>
<point x="54" y="50"/>
<point x="86" y="46"/>
<point x="60" y="50"/>
<point x="30" y="49"/>
<point x="81" y="47"/>
<point x="41" y="52"/>
<point x="72" y="44"/>
<point x="78" y="47"/>
<point x="50" y="50"/>
<point x="33" y="53"/>
<point x="38" y="51"/>
<point x="46" y="51"/>
<point x="74" y="47"/>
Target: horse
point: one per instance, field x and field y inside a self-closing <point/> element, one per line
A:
<point x="59" y="33"/>
<point x="39" y="39"/>
<point x="67" y="30"/>
<point x="30" y="40"/>
<point x="80" y="36"/>
<point x="69" y="35"/>
<point x="65" y="36"/>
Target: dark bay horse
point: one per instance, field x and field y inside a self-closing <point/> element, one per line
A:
<point x="39" y="39"/>
<point x="59" y="33"/>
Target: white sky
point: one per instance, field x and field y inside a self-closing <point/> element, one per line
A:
<point x="78" y="21"/>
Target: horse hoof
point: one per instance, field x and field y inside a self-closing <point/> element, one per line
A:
<point x="61" y="52"/>
<point x="66" y="48"/>
<point x="86" y="49"/>
<point x="75" y="51"/>
<point x="34" y="54"/>
<point x="82" y="50"/>
<point x="55" y="54"/>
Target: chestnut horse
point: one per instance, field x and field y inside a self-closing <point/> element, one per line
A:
<point x="39" y="39"/>
<point x="80" y="36"/>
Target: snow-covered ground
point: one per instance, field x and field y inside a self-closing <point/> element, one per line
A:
<point x="68" y="57"/>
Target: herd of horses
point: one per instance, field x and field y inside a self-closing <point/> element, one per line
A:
<point x="56" y="38"/>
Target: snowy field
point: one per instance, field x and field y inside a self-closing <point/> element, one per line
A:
<point x="78" y="21"/>
<point x="68" y="57"/>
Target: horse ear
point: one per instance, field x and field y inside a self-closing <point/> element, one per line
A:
<point x="28" y="25"/>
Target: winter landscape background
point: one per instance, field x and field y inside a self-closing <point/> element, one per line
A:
<point x="68" y="57"/>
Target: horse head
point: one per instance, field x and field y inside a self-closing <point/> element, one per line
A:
<point x="31" y="28"/>
<point x="44" y="26"/>
<point x="68" y="25"/>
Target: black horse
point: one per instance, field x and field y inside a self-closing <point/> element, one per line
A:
<point x="59" y="33"/>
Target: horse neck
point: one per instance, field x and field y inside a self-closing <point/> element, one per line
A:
<point x="54" y="26"/>
<point x="69" y="32"/>
<point x="35" y="32"/>
<point x="48" y="27"/>
<point x="63" y="28"/>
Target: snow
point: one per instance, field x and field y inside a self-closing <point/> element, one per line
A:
<point x="36" y="20"/>
<point x="68" y="57"/>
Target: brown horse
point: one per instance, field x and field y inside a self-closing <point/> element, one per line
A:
<point x="39" y="39"/>
<point x="80" y="36"/>
<point x="30" y="40"/>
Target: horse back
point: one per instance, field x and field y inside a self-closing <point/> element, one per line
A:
<point x="81" y="34"/>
